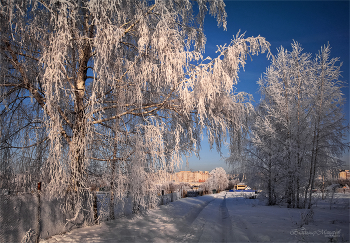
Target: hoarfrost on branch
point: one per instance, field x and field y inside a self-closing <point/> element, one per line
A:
<point x="114" y="88"/>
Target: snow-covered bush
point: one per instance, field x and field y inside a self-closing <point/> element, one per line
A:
<point x="217" y="179"/>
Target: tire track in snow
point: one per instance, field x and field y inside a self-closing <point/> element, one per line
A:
<point x="195" y="211"/>
<point x="195" y="224"/>
<point x="241" y="229"/>
<point x="226" y="222"/>
<point x="191" y="224"/>
<point x="211" y="220"/>
<point x="212" y="224"/>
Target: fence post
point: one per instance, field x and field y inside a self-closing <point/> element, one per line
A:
<point x="38" y="214"/>
<point x="162" y="197"/>
<point x="111" y="206"/>
<point x="95" y="207"/>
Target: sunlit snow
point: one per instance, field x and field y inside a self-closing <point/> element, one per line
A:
<point x="223" y="217"/>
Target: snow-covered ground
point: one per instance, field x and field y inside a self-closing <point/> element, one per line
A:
<point x="223" y="217"/>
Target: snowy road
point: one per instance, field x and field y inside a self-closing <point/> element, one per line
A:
<point x="222" y="217"/>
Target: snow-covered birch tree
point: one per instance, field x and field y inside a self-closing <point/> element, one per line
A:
<point x="123" y="84"/>
<point x="284" y="88"/>
<point x="327" y="123"/>
<point x="218" y="179"/>
<point x="293" y="113"/>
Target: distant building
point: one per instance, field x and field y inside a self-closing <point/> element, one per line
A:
<point x="329" y="175"/>
<point x="344" y="175"/>
<point x="189" y="176"/>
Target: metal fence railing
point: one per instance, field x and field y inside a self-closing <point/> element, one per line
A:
<point x="21" y="215"/>
<point x="28" y="217"/>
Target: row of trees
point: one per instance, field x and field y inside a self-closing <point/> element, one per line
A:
<point x="298" y="131"/>
<point x="113" y="90"/>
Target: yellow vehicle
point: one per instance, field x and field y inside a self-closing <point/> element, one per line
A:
<point x="240" y="186"/>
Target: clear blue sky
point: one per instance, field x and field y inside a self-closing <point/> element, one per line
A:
<point x="311" y="23"/>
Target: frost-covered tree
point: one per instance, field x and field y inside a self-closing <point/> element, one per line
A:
<point x="299" y="128"/>
<point x="217" y="179"/>
<point x="328" y="129"/>
<point x="280" y="126"/>
<point x="119" y="85"/>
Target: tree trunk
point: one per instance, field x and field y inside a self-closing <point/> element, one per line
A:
<point x="269" y="188"/>
<point x="313" y="179"/>
<point x="322" y="187"/>
<point x="312" y="165"/>
<point x="111" y="201"/>
<point x="310" y="178"/>
<point x="298" y="192"/>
